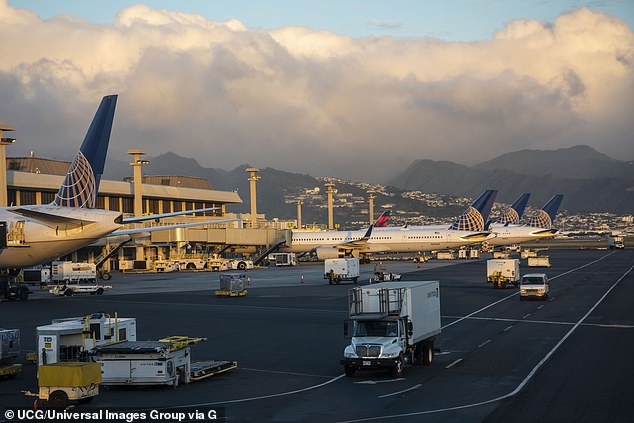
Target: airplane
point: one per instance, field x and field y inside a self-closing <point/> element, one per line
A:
<point x="468" y="228"/>
<point x="540" y="225"/>
<point x="35" y="234"/>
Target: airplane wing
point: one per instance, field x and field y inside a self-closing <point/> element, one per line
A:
<point x="136" y="231"/>
<point x="51" y="220"/>
<point x="357" y="243"/>
<point x="163" y="215"/>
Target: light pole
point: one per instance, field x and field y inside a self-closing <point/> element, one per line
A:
<point x="329" y="186"/>
<point x="371" y="198"/>
<point x="4" y="141"/>
<point x="253" y="178"/>
<point x="137" y="164"/>
<point x="299" y="213"/>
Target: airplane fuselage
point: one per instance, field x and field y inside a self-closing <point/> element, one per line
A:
<point x="517" y="234"/>
<point x="33" y="241"/>
<point x="398" y="240"/>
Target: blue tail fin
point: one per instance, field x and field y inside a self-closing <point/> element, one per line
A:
<point x="475" y="217"/>
<point x="545" y="217"/>
<point x="514" y="214"/>
<point x="82" y="180"/>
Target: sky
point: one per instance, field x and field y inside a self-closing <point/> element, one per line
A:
<point x="353" y="89"/>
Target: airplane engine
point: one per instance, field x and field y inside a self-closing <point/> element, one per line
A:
<point x="324" y="253"/>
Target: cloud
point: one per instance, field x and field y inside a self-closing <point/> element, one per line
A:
<point x="313" y="101"/>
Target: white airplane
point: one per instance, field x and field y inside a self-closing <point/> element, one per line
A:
<point x="35" y="234"/>
<point x="468" y="228"/>
<point x="539" y="226"/>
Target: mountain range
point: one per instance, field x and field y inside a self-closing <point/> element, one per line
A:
<point x="589" y="180"/>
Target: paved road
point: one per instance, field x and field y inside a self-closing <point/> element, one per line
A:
<point x="566" y="359"/>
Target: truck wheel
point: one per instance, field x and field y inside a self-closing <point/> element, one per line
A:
<point x="428" y="352"/>
<point x="242" y="265"/>
<point x="190" y="266"/>
<point x="397" y="370"/>
<point x="99" y="291"/>
<point x="24" y="295"/>
<point x="68" y="292"/>
<point x="58" y="400"/>
<point x="349" y="370"/>
<point x="106" y="276"/>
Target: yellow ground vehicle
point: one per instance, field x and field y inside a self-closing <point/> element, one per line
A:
<point x="61" y="383"/>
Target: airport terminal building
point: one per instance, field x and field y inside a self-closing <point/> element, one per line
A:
<point x="34" y="180"/>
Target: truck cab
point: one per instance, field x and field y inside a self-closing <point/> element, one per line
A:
<point x="534" y="285"/>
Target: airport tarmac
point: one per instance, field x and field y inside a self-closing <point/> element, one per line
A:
<point x="565" y="359"/>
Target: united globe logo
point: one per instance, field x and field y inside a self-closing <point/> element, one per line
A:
<point x="540" y="220"/>
<point x="509" y="216"/>
<point x="470" y="220"/>
<point x="78" y="189"/>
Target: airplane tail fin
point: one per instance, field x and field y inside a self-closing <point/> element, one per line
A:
<point x="381" y="222"/>
<point x="476" y="215"/>
<point x="514" y="214"/>
<point x="545" y="217"/>
<point x="82" y="180"/>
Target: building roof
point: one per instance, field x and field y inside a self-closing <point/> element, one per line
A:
<point x="174" y="181"/>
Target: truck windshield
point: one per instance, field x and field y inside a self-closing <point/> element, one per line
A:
<point x="375" y="328"/>
<point x="532" y="281"/>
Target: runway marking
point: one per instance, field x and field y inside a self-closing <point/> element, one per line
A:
<point x="283" y="373"/>
<point x="374" y="382"/>
<point x="526" y="315"/>
<point x="400" y="392"/>
<point x="508" y="328"/>
<point x="484" y="343"/>
<point x="520" y="386"/>
<point x="540" y="307"/>
<point x="517" y="292"/>
<point x="454" y="363"/>
<point x="281" y="394"/>
<point x="547" y="322"/>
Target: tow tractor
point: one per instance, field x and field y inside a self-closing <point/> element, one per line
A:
<point x="11" y="288"/>
<point x="380" y="275"/>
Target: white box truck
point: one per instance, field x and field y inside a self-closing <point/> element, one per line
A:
<point x="503" y="272"/>
<point x="391" y="325"/>
<point x="340" y="269"/>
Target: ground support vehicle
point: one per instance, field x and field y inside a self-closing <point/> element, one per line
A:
<point x="534" y="285"/>
<point x="528" y="253"/>
<point x="500" y="255"/>
<point x="163" y="362"/>
<point x="382" y="276"/>
<point x="38" y="276"/>
<point x="164" y="266"/>
<point x="70" y="289"/>
<point x="615" y="242"/>
<point x="340" y="269"/>
<point x="9" y="351"/>
<point x="391" y="325"/>
<point x="240" y="264"/>
<point x="474" y="254"/>
<point x="74" y="338"/>
<point x="232" y="285"/>
<point x="503" y="272"/>
<point x="541" y="261"/>
<point x="283" y="259"/>
<point x="67" y="271"/>
<point x="61" y="383"/>
<point x="445" y="255"/>
<point x="190" y="264"/>
<point x="217" y="264"/>
<point x="12" y="289"/>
